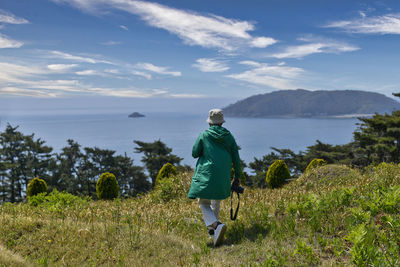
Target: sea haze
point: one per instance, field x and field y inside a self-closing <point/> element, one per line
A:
<point x="179" y="130"/>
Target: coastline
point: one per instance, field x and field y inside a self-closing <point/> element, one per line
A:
<point x="344" y="116"/>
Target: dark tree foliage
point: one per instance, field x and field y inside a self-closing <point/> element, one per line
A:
<point x="378" y="139"/>
<point x="156" y="154"/>
<point x="298" y="162"/>
<point x="22" y="158"/>
<point x="330" y="153"/>
<point x="67" y="171"/>
<point x="14" y="159"/>
<point x="131" y="179"/>
<point x="75" y="170"/>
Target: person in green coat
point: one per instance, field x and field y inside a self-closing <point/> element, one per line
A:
<point x="216" y="150"/>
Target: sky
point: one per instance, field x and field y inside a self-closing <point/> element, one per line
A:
<point x="194" y="50"/>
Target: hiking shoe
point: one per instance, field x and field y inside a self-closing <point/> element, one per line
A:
<point x="219" y="233"/>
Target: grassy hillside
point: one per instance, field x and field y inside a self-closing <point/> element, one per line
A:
<point x="330" y="216"/>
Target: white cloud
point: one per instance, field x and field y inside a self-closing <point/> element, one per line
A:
<point x="210" y="31"/>
<point x="7" y="17"/>
<point x="186" y="96"/>
<point x="25" y="92"/>
<point x="109" y="43"/>
<point x="66" y="56"/>
<point x="35" y="81"/>
<point x="314" y="46"/>
<point x="124" y="27"/>
<point x="280" y="77"/>
<point x="250" y="63"/>
<point x="157" y="69"/>
<point x="102" y="73"/>
<point x="88" y="72"/>
<point x="142" y="74"/>
<point x="128" y="92"/>
<point x="61" y="67"/>
<point x="385" y="24"/>
<point x="112" y="71"/>
<point x="210" y="65"/>
<point x="262" y="42"/>
<point x="14" y="73"/>
<point x="6" y="42"/>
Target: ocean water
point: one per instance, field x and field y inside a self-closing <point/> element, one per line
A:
<point x="179" y="131"/>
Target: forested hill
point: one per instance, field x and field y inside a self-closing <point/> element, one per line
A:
<point x="303" y="103"/>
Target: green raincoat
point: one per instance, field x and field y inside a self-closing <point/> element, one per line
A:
<point x="217" y="150"/>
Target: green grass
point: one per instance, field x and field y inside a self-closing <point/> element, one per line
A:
<point x="330" y="216"/>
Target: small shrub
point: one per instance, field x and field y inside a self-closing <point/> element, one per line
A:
<point x="173" y="188"/>
<point x="57" y="199"/>
<point x="167" y="190"/>
<point x="107" y="186"/>
<point x="167" y="171"/>
<point x="36" y="186"/>
<point x="277" y="174"/>
<point x="315" y="163"/>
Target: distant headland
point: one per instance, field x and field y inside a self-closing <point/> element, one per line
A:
<point x="136" y="115"/>
<point x="302" y="103"/>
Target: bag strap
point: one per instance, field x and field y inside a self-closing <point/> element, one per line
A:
<point x="233" y="217"/>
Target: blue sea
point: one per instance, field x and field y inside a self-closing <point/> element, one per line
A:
<point x="179" y="131"/>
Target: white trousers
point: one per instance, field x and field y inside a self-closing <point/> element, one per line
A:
<point x="210" y="210"/>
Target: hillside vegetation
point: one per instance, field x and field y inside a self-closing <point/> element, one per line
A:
<point x="304" y="103"/>
<point x="330" y="216"/>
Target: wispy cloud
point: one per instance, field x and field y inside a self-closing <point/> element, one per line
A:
<point x="314" y="46"/>
<point x="36" y="81"/>
<point x="61" y="67"/>
<point x="112" y="71"/>
<point x="14" y="73"/>
<point x="210" y="31"/>
<point x="124" y="27"/>
<point x="142" y="74"/>
<point x="103" y="73"/>
<point x="262" y="42"/>
<point x="67" y="56"/>
<point x="7" y="17"/>
<point x="157" y="69"/>
<point x="6" y="42"/>
<point x="274" y="76"/>
<point x="210" y="65"/>
<point x="109" y="43"/>
<point x="129" y="92"/>
<point x="385" y="24"/>
<point x="187" y="96"/>
<point x="89" y="73"/>
<point x="25" y="92"/>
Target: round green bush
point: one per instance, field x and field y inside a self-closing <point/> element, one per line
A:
<point x="107" y="186"/>
<point x="277" y="174"/>
<point x="167" y="171"/>
<point x="36" y="186"/>
<point x="315" y="163"/>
